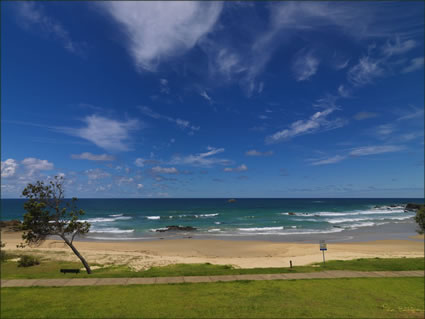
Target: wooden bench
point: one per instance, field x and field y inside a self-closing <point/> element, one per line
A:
<point x="74" y="271"/>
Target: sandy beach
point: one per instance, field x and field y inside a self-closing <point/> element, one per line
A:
<point x="244" y="254"/>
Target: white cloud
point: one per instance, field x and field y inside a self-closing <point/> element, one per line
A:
<point x="240" y="168"/>
<point x="258" y="153"/>
<point x="93" y="157"/>
<point x="317" y="122"/>
<point x="97" y="173"/>
<point x="183" y="124"/>
<point x="372" y="150"/>
<point x="205" y="95"/>
<point x="32" y="14"/>
<point x="34" y="165"/>
<point x="106" y="133"/>
<point x="414" y="65"/>
<point x="157" y="30"/>
<point x="125" y="180"/>
<point x="140" y="186"/>
<point x="365" y="71"/>
<point x="330" y="160"/>
<point x="305" y="65"/>
<point x="139" y="162"/>
<point x="202" y="159"/>
<point x="8" y="168"/>
<point x="164" y="170"/>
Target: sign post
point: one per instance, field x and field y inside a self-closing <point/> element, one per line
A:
<point x="323" y="247"/>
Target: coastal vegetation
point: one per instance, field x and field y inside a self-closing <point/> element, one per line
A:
<point x="48" y="214"/>
<point x="420" y="219"/>
<point x="326" y="298"/>
<point x="50" y="269"/>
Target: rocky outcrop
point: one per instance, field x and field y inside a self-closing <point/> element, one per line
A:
<point x="175" y="228"/>
<point x="413" y="206"/>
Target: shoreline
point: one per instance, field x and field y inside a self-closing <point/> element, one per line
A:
<point x="139" y="255"/>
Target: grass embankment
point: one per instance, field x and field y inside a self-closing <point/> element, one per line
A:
<point x="321" y="298"/>
<point x="50" y="269"/>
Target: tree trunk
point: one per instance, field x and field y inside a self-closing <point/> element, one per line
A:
<point x="76" y="252"/>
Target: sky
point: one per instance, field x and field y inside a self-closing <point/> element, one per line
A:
<point x="212" y="99"/>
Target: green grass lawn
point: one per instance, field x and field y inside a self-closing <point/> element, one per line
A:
<point x="50" y="269"/>
<point x="321" y="298"/>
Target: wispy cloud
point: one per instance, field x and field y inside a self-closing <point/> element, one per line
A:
<point x="414" y="65"/>
<point x="377" y="149"/>
<point x="104" y="132"/>
<point x="159" y="30"/>
<point x="364" y="115"/>
<point x="205" y="95"/>
<point x="258" y="153"/>
<point x="205" y="159"/>
<point x="305" y="65"/>
<point x="397" y="46"/>
<point x="330" y="160"/>
<point x="32" y="15"/>
<point x="365" y="71"/>
<point x="93" y="157"/>
<point x="164" y="170"/>
<point x="316" y="123"/>
<point x="240" y="168"/>
<point x="184" y="124"/>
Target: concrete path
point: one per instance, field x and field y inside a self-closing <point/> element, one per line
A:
<point x="67" y="282"/>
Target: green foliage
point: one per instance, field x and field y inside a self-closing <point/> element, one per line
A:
<point x="47" y="213"/>
<point x="28" y="261"/>
<point x="320" y="298"/>
<point x="420" y="219"/>
<point x="2" y="252"/>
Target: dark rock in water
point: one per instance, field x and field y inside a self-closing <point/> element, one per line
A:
<point x="14" y="224"/>
<point x="413" y="206"/>
<point x="174" y="227"/>
<point x="291" y="213"/>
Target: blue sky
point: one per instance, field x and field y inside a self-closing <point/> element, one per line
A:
<point x="238" y="99"/>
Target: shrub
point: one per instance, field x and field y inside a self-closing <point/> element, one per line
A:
<point x="28" y="261"/>
<point x="3" y="256"/>
<point x="420" y="219"/>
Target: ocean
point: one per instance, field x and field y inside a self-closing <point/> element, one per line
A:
<point x="294" y="219"/>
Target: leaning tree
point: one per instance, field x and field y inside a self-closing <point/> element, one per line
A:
<point x="49" y="214"/>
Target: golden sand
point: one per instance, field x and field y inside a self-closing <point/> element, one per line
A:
<point x="244" y="254"/>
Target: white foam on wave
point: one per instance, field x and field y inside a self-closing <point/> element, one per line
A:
<point x="116" y="215"/>
<point x="207" y="215"/>
<point x="155" y="229"/>
<point x="290" y="232"/>
<point x="350" y="220"/>
<point x="111" y="230"/>
<point x="217" y="223"/>
<point x="106" y="219"/>
<point x="214" y="230"/>
<point x="261" y="228"/>
<point x="153" y="217"/>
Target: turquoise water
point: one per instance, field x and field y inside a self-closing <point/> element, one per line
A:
<point x="132" y="219"/>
